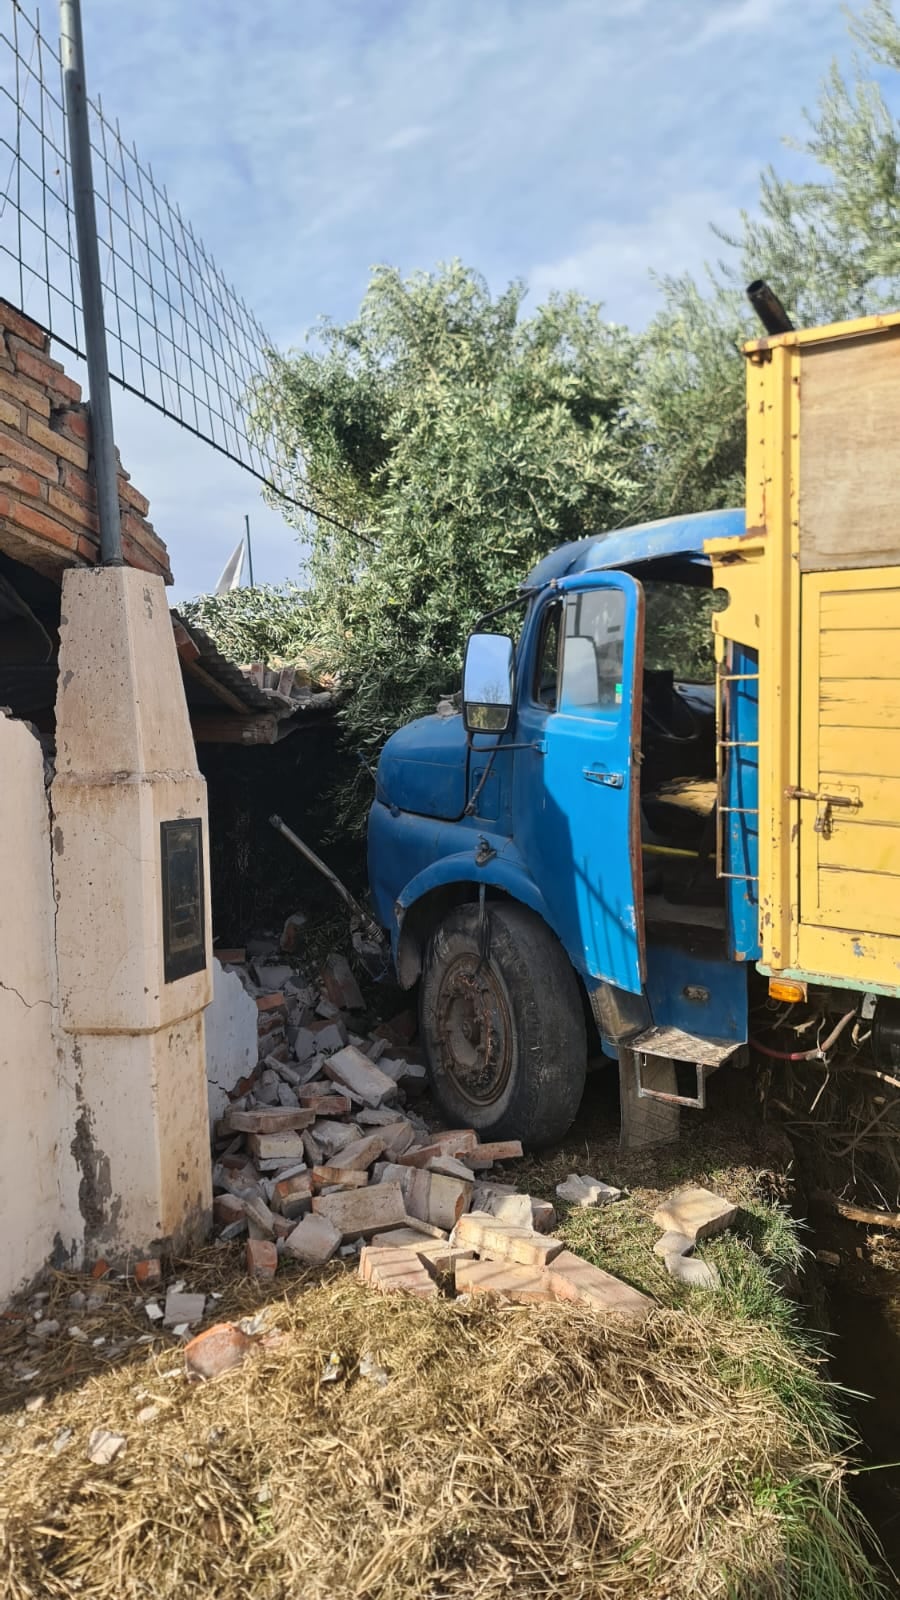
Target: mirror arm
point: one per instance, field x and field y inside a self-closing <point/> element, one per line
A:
<point x="522" y="599"/>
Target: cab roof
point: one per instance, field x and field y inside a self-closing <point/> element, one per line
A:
<point x="671" y="543"/>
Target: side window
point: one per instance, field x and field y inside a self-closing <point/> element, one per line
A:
<point x="546" y="666"/>
<point x="593" y="652"/>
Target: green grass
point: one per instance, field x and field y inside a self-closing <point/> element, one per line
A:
<point x="757" y="1337"/>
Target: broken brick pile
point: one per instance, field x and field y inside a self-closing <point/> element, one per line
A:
<point x="48" y="504"/>
<point x="322" y="1153"/>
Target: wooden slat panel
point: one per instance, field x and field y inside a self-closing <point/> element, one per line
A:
<point x="860" y="703"/>
<point x="850" y="455"/>
<point x="860" y="846"/>
<point x="861" y="608"/>
<point x="859" y="652"/>
<point x="880" y="797"/>
<point x="850" y="751"/>
<point x="866" y="900"/>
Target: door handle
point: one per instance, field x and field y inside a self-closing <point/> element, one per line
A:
<point x="610" y="780"/>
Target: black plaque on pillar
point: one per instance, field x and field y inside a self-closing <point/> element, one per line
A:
<point x="184" y="920"/>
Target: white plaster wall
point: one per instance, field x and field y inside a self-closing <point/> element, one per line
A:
<point x="125" y="763"/>
<point x="38" y="1175"/>
<point x="231" y="1038"/>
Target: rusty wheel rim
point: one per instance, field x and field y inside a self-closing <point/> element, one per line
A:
<point x="474" y="1030"/>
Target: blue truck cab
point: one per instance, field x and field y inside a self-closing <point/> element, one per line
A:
<point x="569" y="863"/>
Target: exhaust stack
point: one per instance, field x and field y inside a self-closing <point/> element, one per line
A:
<point x="768" y="307"/>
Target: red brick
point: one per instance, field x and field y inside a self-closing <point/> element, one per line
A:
<point x="332" y="1177"/>
<point x="79" y="485"/>
<point x="33" y="552"/>
<point x="364" y="1211"/>
<point x="141" y="531"/>
<point x="49" y="374"/>
<point x="23" y="327"/>
<point x="216" y="1350"/>
<point x="262" y="1258"/>
<point x="295" y="1188"/>
<point x="137" y="556"/>
<point x="36" y="522"/>
<point x="101" y="1267"/>
<point x="503" y="1241"/>
<point x="325" y="1105"/>
<point x="445" y="1144"/>
<point x="276" y="1146"/>
<point x="132" y="497"/>
<point x="57" y="442"/>
<point x="269" y="1002"/>
<point x="524" y="1285"/>
<point x="74" y="421"/>
<point x="396" y="1270"/>
<point x="20" y="482"/>
<point x="14" y="448"/>
<point x="484" y="1155"/>
<point x="10" y="413"/>
<point x="148" y="1271"/>
<point x="75" y="510"/>
<point x="578" y="1282"/>
<point x="238" y="957"/>
<point x="269" y="1119"/>
<point x="227" y="1208"/>
<point x="35" y="398"/>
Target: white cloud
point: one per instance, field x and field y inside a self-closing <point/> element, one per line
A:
<point x="406" y="138"/>
<point x="744" y="16"/>
<point x="575" y="143"/>
<point x="612" y="264"/>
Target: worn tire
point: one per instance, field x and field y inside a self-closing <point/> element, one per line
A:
<point x="523" y="999"/>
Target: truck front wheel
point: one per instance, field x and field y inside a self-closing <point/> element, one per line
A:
<point x="501" y="1019"/>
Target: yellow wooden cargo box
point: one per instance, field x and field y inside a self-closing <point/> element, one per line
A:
<point x="815" y="587"/>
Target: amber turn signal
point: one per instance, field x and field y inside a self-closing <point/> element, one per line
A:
<point x="786" y="989"/>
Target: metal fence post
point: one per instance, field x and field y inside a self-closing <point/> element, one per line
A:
<point x="102" y="440"/>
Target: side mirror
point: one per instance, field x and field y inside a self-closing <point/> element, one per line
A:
<point x="488" y="677"/>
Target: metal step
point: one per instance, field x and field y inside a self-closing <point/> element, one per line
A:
<point x="673" y="1044"/>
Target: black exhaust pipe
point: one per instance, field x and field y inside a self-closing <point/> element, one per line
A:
<point x="768" y="307"/>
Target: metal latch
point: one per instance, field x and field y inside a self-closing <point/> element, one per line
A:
<point x="824" y="823"/>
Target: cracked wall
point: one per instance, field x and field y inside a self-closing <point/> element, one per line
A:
<point x="38" y="1172"/>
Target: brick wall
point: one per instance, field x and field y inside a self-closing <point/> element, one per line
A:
<point x="48" y="507"/>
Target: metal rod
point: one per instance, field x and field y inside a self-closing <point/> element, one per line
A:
<point x="100" y="406"/>
<point x="369" y="925"/>
<point x="249" y="550"/>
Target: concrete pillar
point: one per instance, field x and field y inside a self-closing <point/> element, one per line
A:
<point x="130" y="999"/>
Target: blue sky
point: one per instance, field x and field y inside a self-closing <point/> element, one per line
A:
<point x="575" y="143"/>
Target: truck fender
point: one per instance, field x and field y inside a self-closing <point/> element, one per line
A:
<point x="445" y="883"/>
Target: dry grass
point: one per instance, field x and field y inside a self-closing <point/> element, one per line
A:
<point x="540" y="1452"/>
<point x="514" y="1452"/>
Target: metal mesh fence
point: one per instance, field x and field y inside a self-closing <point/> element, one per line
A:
<point x="178" y="335"/>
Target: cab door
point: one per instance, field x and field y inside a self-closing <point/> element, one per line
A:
<point x="583" y="832"/>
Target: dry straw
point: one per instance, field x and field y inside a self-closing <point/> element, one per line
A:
<point x="541" y="1452"/>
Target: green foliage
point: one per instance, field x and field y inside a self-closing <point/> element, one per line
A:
<point x="689" y="399"/>
<point x="266" y="623"/>
<point x="446" y="440"/>
<point x="456" y="440"/>
<point x="831" y="245"/>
